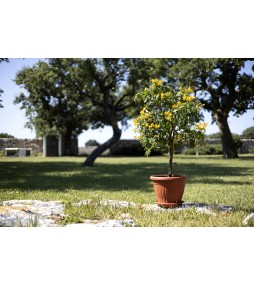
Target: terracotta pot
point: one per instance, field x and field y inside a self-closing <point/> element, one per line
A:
<point x="168" y="190"/>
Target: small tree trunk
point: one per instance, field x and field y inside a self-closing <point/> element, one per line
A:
<point x="171" y="154"/>
<point x="228" y="145"/>
<point x="101" y="148"/>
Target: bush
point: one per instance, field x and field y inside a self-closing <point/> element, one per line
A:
<point x="92" y="143"/>
<point x="205" y="150"/>
<point x="130" y="148"/>
<point x="37" y="154"/>
<point x="189" y="151"/>
<point x="6" y="136"/>
<point x="252" y="149"/>
<point x="237" y="141"/>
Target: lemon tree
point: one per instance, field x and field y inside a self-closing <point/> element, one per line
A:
<point x="168" y="116"/>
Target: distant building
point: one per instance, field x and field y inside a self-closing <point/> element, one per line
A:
<point x="48" y="146"/>
<point x="60" y="146"/>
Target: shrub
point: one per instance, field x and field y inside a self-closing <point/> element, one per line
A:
<point x="252" y="149"/>
<point x="91" y="143"/>
<point x="130" y="148"/>
<point x="37" y="154"/>
<point x="237" y="141"/>
<point x="6" y="136"/>
<point x="205" y="150"/>
<point x="189" y="151"/>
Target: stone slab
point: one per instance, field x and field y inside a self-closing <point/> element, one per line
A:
<point x="44" y="214"/>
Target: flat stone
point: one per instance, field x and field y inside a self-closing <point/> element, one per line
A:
<point x="38" y="207"/>
<point x="108" y="223"/>
<point x="114" y="203"/>
<point x="103" y="202"/>
<point x="43" y="214"/>
<point x="249" y="218"/>
<point x="30" y="213"/>
<point x="200" y="207"/>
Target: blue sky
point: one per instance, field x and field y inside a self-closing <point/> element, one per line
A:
<point x="12" y="119"/>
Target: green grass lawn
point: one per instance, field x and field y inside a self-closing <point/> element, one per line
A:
<point x="211" y="179"/>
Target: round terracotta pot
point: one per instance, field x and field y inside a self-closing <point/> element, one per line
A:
<point x="168" y="190"/>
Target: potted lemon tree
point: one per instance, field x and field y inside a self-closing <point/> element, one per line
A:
<point x="168" y="116"/>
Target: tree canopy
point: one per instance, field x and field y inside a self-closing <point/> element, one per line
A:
<point x="70" y="95"/>
<point x="110" y="85"/>
<point x="221" y="86"/>
<point x="52" y="104"/>
<point x="248" y="133"/>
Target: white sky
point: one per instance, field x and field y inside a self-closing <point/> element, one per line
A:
<point x="12" y="119"/>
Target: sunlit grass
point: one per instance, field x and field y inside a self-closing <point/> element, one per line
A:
<point x="211" y="180"/>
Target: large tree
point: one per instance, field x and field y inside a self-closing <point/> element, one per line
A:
<point x="68" y="95"/>
<point x="52" y="105"/>
<point x="221" y="85"/>
<point x="111" y="85"/>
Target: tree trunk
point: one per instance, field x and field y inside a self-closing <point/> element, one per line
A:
<point x="100" y="149"/>
<point x="171" y="154"/>
<point x="228" y="145"/>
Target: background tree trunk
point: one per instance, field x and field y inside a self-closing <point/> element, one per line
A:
<point x="100" y="149"/>
<point x="228" y="145"/>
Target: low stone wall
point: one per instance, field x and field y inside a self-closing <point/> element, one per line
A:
<point x="35" y="144"/>
<point x="247" y="145"/>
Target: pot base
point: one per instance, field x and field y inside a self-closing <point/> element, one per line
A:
<point x="169" y="205"/>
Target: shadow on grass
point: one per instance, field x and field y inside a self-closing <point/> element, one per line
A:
<point x="65" y="175"/>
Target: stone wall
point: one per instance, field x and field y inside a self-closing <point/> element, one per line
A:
<point x="247" y="145"/>
<point x="35" y="144"/>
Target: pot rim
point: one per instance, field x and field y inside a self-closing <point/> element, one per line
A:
<point x="170" y="205"/>
<point x="166" y="177"/>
